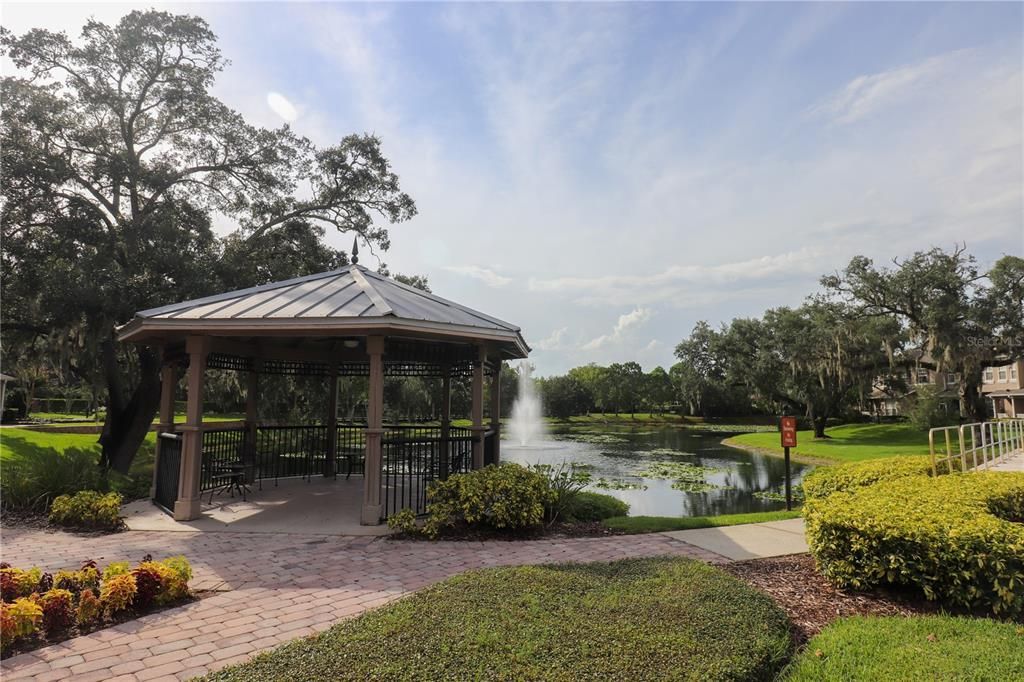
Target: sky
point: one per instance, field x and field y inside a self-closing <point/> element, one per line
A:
<point x="606" y="175"/>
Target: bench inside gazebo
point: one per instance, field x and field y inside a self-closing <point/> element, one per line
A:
<point x="345" y="323"/>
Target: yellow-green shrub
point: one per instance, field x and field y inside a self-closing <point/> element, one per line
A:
<point x="403" y="521"/>
<point x="505" y="496"/>
<point x="824" y="481"/>
<point x="87" y="509"/>
<point x="116" y="568"/>
<point x="117" y="593"/>
<point x="26" y="615"/>
<point x="949" y="536"/>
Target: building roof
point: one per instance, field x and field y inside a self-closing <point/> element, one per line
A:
<point x="344" y="300"/>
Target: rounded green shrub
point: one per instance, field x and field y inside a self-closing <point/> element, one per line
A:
<point x="506" y="496"/>
<point x="953" y="537"/>
<point x="588" y="506"/>
<point x="88" y="509"/>
<point x="636" y="619"/>
<point x="824" y="481"/>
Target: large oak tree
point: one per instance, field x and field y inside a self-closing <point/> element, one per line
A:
<point x="117" y="159"/>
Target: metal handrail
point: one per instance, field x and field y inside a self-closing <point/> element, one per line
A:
<point x="979" y="445"/>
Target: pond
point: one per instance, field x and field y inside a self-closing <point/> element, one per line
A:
<point x="667" y="471"/>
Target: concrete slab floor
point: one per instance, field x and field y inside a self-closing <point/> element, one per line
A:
<point x="749" y="541"/>
<point x="320" y="506"/>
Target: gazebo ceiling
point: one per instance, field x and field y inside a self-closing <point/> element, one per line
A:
<point x="349" y="302"/>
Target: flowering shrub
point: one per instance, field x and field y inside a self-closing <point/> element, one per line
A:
<point x="89" y="608"/>
<point x="34" y="600"/>
<point x="117" y="593"/>
<point x="87" y="509"/>
<point x="149" y="583"/>
<point x="58" y="611"/>
<point x="14" y="582"/>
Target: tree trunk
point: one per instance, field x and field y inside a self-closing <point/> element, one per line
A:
<point x="129" y="417"/>
<point x="973" y="401"/>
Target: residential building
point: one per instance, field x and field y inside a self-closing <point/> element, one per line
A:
<point x="1001" y="385"/>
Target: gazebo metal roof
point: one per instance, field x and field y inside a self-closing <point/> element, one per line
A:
<point x="350" y="300"/>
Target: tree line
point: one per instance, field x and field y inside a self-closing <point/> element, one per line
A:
<point x="821" y="360"/>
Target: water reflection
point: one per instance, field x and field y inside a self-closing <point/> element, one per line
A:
<point x="619" y="455"/>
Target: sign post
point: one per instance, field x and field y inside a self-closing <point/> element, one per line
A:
<point x="787" y="427"/>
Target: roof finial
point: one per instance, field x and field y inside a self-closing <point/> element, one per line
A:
<point x="355" y="250"/>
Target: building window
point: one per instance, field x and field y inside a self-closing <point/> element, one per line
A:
<point x="922" y="376"/>
<point x="989" y="376"/>
<point x="1013" y="372"/>
<point x="950" y="378"/>
<point x="1002" y="375"/>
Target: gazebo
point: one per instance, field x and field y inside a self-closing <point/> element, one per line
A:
<point x="349" y="322"/>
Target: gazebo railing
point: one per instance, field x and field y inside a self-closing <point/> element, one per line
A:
<point x="414" y="456"/>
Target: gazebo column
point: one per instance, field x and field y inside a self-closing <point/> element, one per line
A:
<point x="187" y="506"/>
<point x="496" y="412"/>
<point x="477" y="410"/>
<point x="446" y="422"/>
<point x="252" y="416"/>
<point x="168" y="380"/>
<point x="332" y="421"/>
<point x="371" y="512"/>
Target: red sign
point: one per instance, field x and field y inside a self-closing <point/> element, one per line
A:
<point x="787" y="425"/>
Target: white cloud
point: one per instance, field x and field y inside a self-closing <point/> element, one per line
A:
<point x="280" y="105"/>
<point x="868" y="93"/>
<point x="554" y="341"/>
<point x="624" y="324"/>
<point x="674" y="283"/>
<point x="488" y="277"/>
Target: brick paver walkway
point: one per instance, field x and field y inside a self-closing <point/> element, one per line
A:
<point x="270" y="588"/>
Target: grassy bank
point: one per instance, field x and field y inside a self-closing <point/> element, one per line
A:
<point x="658" y="524"/>
<point x="847" y="443"/>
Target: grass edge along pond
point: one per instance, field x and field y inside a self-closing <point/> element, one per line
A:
<point x="675" y="618"/>
<point x="631" y="525"/>
<point x="846" y="443"/>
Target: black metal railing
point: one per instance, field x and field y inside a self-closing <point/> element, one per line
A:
<point x="350" y="455"/>
<point x="222" y="450"/>
<point x="414" y="456"/>
<point x="489" y="439"/>
<point x="291" y="451"/>
<point x="168" y="470"/>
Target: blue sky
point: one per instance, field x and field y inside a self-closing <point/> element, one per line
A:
<point x="605" y="175"/>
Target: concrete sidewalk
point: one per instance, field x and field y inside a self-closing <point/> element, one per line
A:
<point x="749" y="541"/>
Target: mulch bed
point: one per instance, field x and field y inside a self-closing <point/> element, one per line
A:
<point x="811" y="602"/>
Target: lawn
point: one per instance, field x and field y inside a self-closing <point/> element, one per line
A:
<point x="624" y="620"/>
<point x="847" y="443"/>
<point x="920" y="648"/>
<point x="38" y="465"/>
<point x="658" y="524"/>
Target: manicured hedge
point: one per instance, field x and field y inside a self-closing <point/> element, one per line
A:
<point x="588" y="506"/>
<point x="824" y="481"/>
<point x="953" y="537"/>
<point x="863" y="649"/>
<point x="637" y="619"/>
